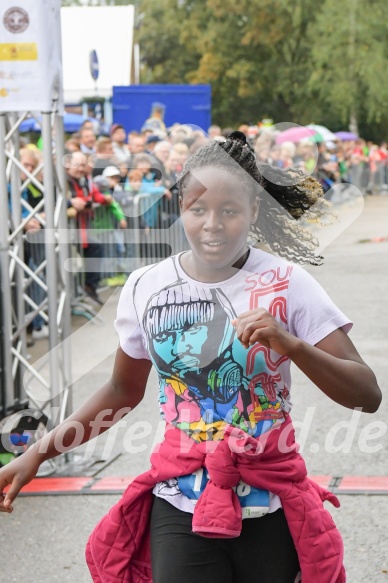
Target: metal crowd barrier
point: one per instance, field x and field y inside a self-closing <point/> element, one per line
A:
<point x="367" y="180"/>
<point x="154" y="232"/>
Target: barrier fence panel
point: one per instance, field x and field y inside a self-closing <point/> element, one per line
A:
<point x="154" y="232"/>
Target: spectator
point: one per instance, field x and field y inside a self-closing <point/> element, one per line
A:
<point x="88" y="124"/>
<point x="155" y="121"/>
<point x="33" y="251"/>
<point x="120" y="149"/>
<point x="103" y="157"/>
<point x="151" y="142"/>
<point x="160" y="155"/>
<point x="180" y="134"/>
<point x="198" y="139"/>
<point x="226" y="132"/>
<point x="72" y="145"/>
<point x="214" y="132"/>
<point x="111" y="219"/>
<point x="149" y="186"/>
<point x="136" y="144"/>
<point x="183" y="152"/>
<point x="170" y="207"/>
<point x="83" y="194"/>
<point x="146" y="134"/>
<point x="87" y="139"/>
<point x="244" y="128"/>
<point x="328" y="174"/>
<point x="274" y="157"/>
<point x="287" y="153"/>
<point x="123" y="167"/>
<point x="262" y="153"/>
<point x="108" y="184"/>
<point x="173" y="167"/>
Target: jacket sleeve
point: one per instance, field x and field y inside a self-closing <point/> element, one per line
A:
<point x="97" y="196"/>
<point x="117" y="211"/>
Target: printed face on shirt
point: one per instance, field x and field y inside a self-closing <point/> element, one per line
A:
<point x="181" y="348"/>
<point x="185" y="332"/>
<point x="216" y="213"/>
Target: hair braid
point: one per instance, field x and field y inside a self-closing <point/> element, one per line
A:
<point x="282" y="193"/>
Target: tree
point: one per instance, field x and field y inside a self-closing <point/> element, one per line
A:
<point x="168" y="32"/>
<point x="254" y="53"/>
<point x="350" y="57"/>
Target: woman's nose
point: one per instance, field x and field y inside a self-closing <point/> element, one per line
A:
<point x="212" y="222"/>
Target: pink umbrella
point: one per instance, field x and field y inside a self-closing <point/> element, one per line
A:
<point x="346" y="136"/>
<point x="295" y="134"/>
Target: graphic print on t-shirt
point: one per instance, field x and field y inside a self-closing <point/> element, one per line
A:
<point x="207" y="378"/>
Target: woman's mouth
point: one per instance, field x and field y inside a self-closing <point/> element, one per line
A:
<point x="213" y="244"/>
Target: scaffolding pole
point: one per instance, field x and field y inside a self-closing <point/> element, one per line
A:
<point x="7" y="393"/>
<point x="35" y="285"/>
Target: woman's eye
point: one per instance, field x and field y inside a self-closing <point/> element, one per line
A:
<point x="229" y="212"/>
<point x="197" y="210"/>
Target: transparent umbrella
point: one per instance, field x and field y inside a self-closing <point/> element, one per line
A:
<point x="327" y="135"/>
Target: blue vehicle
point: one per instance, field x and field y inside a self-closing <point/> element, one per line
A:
<point x="185" y="104"/>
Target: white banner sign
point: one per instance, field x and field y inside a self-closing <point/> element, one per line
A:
<point x="30" y="56"/>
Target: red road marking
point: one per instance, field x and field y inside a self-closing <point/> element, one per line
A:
<point x="323" y="481"/>
<point x="379" y="483"/>
<point x="112" y="483"/>
<point x="56" y="485"/>
<point x="117" y="484"/>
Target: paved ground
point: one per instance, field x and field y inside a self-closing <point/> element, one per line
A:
<point x="44" y="539"/>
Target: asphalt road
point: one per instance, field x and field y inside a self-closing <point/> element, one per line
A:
<point x="43" y="540"/>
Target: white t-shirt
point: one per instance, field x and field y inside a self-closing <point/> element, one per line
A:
<point x="207" y="379"/>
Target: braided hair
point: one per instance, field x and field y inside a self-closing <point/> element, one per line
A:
<point x="285" y="196"/>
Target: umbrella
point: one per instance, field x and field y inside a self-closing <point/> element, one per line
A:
<point x="346" y="136"/>
<point x="295" y="134"/>
<point x="72" y="123"/>
<point x="327" y="135"/>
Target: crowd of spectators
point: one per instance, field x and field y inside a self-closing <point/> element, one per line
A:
<point x="105" y="174"/>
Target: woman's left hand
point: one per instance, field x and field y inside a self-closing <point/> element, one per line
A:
<point x="259" y="326"/>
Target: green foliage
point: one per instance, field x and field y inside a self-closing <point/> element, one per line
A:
<point x="351" y="60"/>
<point x="292" y="60"/>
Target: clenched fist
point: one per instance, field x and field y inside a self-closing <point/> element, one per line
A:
<point x="260" y="326"/>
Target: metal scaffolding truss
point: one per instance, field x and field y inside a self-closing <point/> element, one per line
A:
<point x="45" y="385"/>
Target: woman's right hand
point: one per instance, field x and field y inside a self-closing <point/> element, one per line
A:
<point x="16" y="474"/>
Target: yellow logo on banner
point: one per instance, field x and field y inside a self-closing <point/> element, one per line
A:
<point x="18" y="52"/>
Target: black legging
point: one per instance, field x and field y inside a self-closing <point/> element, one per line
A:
<point x="263" y="553"/>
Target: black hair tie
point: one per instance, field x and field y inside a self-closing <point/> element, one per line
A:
<point x="238" y="136"/>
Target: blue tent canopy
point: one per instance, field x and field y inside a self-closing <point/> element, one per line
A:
<point x="72" y="123"/>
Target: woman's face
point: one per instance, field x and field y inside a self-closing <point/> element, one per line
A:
<point x="217" y="212"/>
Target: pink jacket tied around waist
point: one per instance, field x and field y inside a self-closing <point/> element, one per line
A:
<point x="118" y="550"/>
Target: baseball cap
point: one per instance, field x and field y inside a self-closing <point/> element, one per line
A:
<point x="116" y="126"/>
<point x="153" y="139"/>
<point x="110" y="171"/>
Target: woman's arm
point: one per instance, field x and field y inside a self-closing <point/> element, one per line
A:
<point x="333" y="364"/>
<point x="109" y="404"/>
